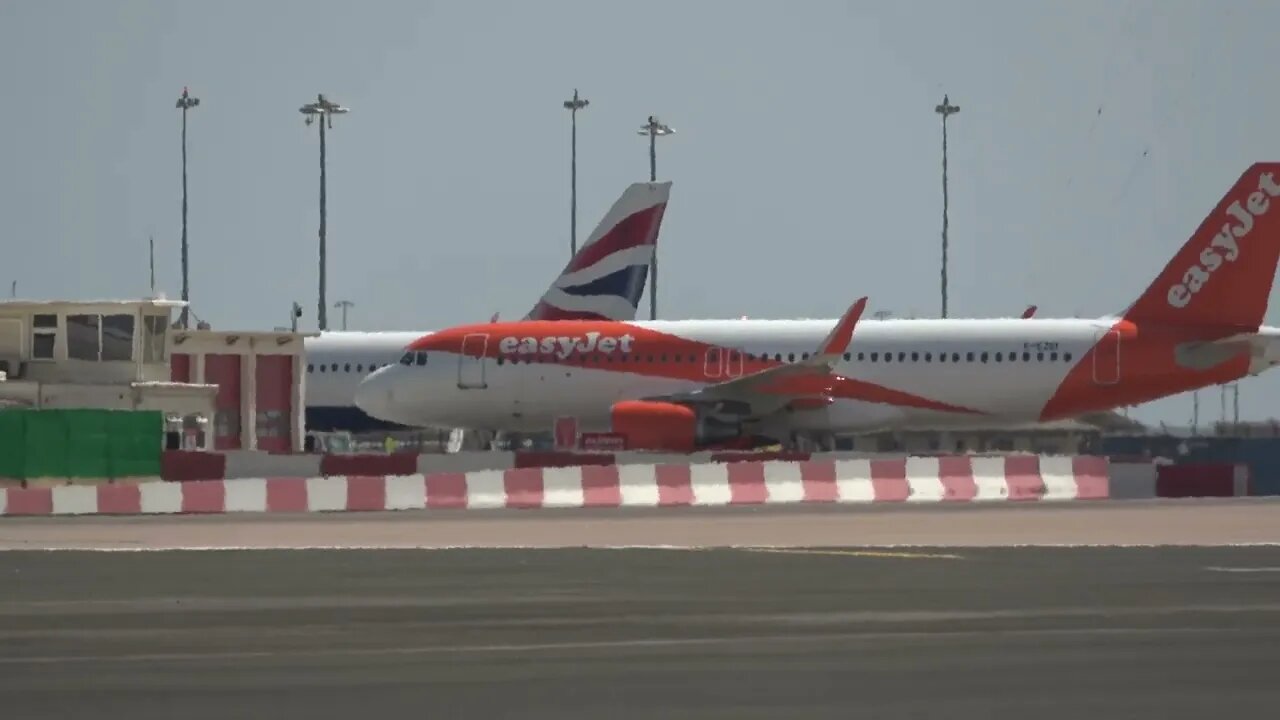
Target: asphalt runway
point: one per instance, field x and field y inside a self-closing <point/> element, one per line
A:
<point x="965" y="633"/>
<point x="1225" y="521"/>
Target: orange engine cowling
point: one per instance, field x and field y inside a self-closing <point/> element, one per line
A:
<point x="656" y="425"/>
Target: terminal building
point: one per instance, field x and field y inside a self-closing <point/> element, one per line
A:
<point x="218" y="389"/>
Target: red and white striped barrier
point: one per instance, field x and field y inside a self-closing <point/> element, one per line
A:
<point x="914" y="479"/>
<point x="187" y="465"/>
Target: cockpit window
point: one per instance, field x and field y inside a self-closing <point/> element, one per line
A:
<point x="422" y="358"/>
<point x="407" y="359"/>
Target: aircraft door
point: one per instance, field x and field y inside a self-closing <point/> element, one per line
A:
<point x="733" y="363"/>
<point x="711" y="368"/>
<point x="1106" y="357"/>
<point x="472" y="362"/>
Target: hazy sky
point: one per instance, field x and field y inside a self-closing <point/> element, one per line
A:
<point x="1093" y="138"/>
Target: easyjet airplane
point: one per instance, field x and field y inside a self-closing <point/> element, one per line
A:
<point x="681" y="385"/>
<point x="603" y="281"/>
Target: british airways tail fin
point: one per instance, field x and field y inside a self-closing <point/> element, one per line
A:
<point x="1223" y="276"/>
<point x="605" y="279"/>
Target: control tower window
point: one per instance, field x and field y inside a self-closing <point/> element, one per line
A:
<point x="153" y="338"/>
<point x="83" y="337"/>
<point x="117" y="338"/>
<point x="44" y="336"/>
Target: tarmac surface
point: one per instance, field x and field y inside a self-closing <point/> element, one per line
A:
<point x="1224" y="521"/>
<point x="779" y="632"/>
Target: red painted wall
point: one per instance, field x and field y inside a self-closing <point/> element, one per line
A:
<point x="224" y="371"/>
<point x="180" y="368"/>
<point x="275" y="407"/>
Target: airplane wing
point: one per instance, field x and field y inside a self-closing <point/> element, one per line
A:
<point x="772" y="389"/>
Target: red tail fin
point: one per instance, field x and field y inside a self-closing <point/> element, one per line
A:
<point x="1223" y="275"/>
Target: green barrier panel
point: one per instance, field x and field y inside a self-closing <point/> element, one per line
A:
<point x="135" y="444"/>
<point x="86" y="443"/>
<point x="80" y="443"/>
<point x="46" y="445"/>
<point x="13" y="439"/>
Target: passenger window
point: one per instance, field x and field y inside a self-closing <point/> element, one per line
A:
<point x="848" y="357"/>
<point x="805" y="356"/>
<point x="1039" y="357"/>
<point x="902" y="357"/>
<point x="664" y="357"/>
<point x="777" y="357"/>
<point x="928" y="357"/>
<point x="888" y="357"/>
<point x="942" y="357"/>
<point x="983" y="357"/>
<point x="861" y="357"/>
<point x="875" y="357"/>
<point x="649" y="358"/>
<point x="346" y="368"/>
<point x="322" y="368"/>
<point x="1026" y="357"/>
<point x="1053" y="357"/>
<point x="999" y="357"/>
<point x="1066" y="356"/>
<point x="915" y="357"/>
<point x="955" y="357"/>
<point x="310" y="367"/>
<point x="791" y="357"/>
<point x="499" y="359"/>
<point x="968" y="357"/>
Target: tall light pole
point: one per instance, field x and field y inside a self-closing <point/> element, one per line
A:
<point x="185" y="103"/>
<point x="325" y="110"/>
<point x="344" y="305"/>
<point x="573" y="106"/>
<point x="151" y="256"/>
<point x="945" y="109"/>
<point x="653" y="128"/>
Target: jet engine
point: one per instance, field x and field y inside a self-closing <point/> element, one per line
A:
<point x="649" y="425"/>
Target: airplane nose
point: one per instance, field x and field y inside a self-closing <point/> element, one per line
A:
<point x="374" y="396"/>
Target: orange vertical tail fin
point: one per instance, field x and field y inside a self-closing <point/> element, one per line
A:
<point x="1224" y="273"/>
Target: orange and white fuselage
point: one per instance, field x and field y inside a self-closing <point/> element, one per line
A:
<point x="1198" y="324"/>
<point x="895" y="373"/>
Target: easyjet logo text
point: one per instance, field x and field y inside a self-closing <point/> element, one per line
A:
<point x="563" y="347"/>
<point x="1225" y="246"/>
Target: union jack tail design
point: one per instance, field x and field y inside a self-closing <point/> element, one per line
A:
<point x="605" y="280"/>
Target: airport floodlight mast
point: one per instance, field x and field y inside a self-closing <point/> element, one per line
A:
<point x="573" y="106"/>
<point x="185" y="103"/>
<point x="344" y="305"/>
<point x="654" y="128"/>
<point x="945" y="109"/>
<point x="325" y="109"/>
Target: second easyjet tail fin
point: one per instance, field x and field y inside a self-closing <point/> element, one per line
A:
<point x="1223" y="275"/>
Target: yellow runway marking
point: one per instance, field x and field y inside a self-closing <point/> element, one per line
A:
<point x="857" y="553"/>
